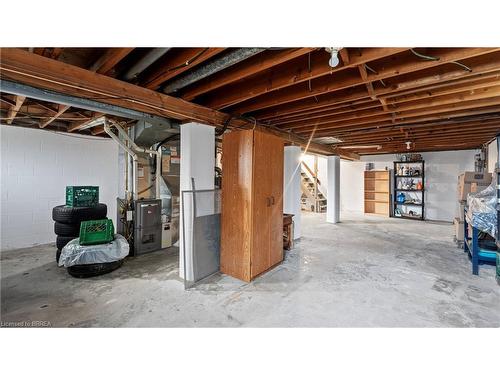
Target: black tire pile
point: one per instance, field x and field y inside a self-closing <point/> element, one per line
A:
<point x="67" y="222"/>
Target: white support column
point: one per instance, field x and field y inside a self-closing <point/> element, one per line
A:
<point x="333" y="177"/>
<point x="198" y="162"/>
<point x="291" y="186"/>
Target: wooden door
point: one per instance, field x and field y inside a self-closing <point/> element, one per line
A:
<point x="275" y="164"/>
<point x="261" y="202"/>
<point x="236" y="214"/>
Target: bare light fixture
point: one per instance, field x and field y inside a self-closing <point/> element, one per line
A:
<point x="334" y="56"/>
<point x="408" y="145"/>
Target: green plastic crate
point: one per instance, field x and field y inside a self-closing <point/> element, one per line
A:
<point x="94" y="232"/>
<point x="82" y="196"/>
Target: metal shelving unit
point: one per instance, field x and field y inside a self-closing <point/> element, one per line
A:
<point x="397" y="177"/>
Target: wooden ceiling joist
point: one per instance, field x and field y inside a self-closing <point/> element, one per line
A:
<point x="489" y="67"/>
<point x="447" y="100"/>
<point x="299" y="71"/>
<point x="183" y="61"/>
<point x="12" y="113"/>
<point x="381" y="116"/>
<point x="109" y="59"/>
<point x="27" y="68"/>
<point x="406" y="122"/>
<point x="61" y="110"/>
<point x="243" y="70"/>
<point x="328" y="84"/>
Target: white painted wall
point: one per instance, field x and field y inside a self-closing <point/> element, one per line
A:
<point x="492" y="156"/>
<point x="333" y="183"/>
<point x="36" y="166"/>
<point x="441" y="171"/>
<point x="292" y="187"/>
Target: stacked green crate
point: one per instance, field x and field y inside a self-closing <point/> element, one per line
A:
<point x="95" y="232"/>
<point x="82" y="196"/>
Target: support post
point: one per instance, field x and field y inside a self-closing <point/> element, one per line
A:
<point x="333" y="183"/>
<point x="292" y="191"/>
<point x="198" y="163"/>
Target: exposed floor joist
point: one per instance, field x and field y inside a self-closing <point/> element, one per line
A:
<point x="21" y="66"/>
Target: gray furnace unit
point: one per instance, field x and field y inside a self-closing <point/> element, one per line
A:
<point x="147" y="226"/>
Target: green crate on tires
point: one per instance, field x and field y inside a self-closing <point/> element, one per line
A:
<point x="94" y="232"/>
<point x="82" y="196"/>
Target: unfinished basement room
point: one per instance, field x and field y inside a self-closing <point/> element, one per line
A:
<point x="204" y="187"/>
<point x="180" y="190"/>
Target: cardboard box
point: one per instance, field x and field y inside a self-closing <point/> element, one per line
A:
<point x="484" y="178"/>
<point x="466" y="179"/>
<point x="459" y="229"/>
<point x="476" y="187"/>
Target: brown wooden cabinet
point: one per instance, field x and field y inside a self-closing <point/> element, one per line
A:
<point x="252" y="204"/>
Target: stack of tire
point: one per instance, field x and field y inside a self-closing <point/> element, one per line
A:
<point x="67" y="222"/>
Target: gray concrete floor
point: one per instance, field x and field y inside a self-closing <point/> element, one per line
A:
<point x="365" y="272"/>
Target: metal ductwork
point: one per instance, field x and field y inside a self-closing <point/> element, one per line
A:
<point x="82" y="103"/>
<point x="147" y="134"/>
<point x="213" y="67"/>
<point x="144" y="63"/>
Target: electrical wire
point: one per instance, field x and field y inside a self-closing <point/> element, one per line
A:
<point x="422" y="56"/>
<point x="462" y="65"/>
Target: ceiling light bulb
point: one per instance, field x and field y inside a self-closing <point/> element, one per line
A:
<point x="408" y="145"/>
<point x="334" y="59"/>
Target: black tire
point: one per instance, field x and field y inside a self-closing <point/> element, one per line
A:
<point x="75" y="215"/>
<point x="91" y="270"/>
<point x="68" y="230"/>
<point x="61" y="241"/>
<point x="58" y="255"/>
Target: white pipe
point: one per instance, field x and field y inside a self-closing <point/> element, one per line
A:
<point x="108" y="131"/>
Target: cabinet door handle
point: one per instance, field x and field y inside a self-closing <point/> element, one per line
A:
<point x="272" y="200"/>
<point x="268" y="200"/>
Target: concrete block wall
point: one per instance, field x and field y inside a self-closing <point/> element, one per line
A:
<point x="441" y="171"/>
<point x="36" y="166"/>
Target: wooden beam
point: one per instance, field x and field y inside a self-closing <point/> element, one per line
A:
<point x="185" y="59"/>
<point x="97" y="130"/>
<point x="344" y="55"/>
<point x="20" y="66"/>
<point x="422" y="104"/>
<point x="109" y="59"/>
<point x="345" y="80"/>
<point x="12" y="112"/>
<point x="316" y="111"/>
<point x="388" y="122"/>
<point x="55" y="53"/>
<point x="414" y="110"/>
<point x="489" y="64"/>
<point x="293" y="73"/>
<point x="60" y="111"/>
<point x="243" y="70"/>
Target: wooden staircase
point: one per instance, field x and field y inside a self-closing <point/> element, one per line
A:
<point x="312" y="199"/>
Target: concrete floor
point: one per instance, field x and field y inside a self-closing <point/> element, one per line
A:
<point x="364" y="272"/>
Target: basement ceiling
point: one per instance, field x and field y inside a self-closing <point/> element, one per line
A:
<point x="374" y="101"/>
